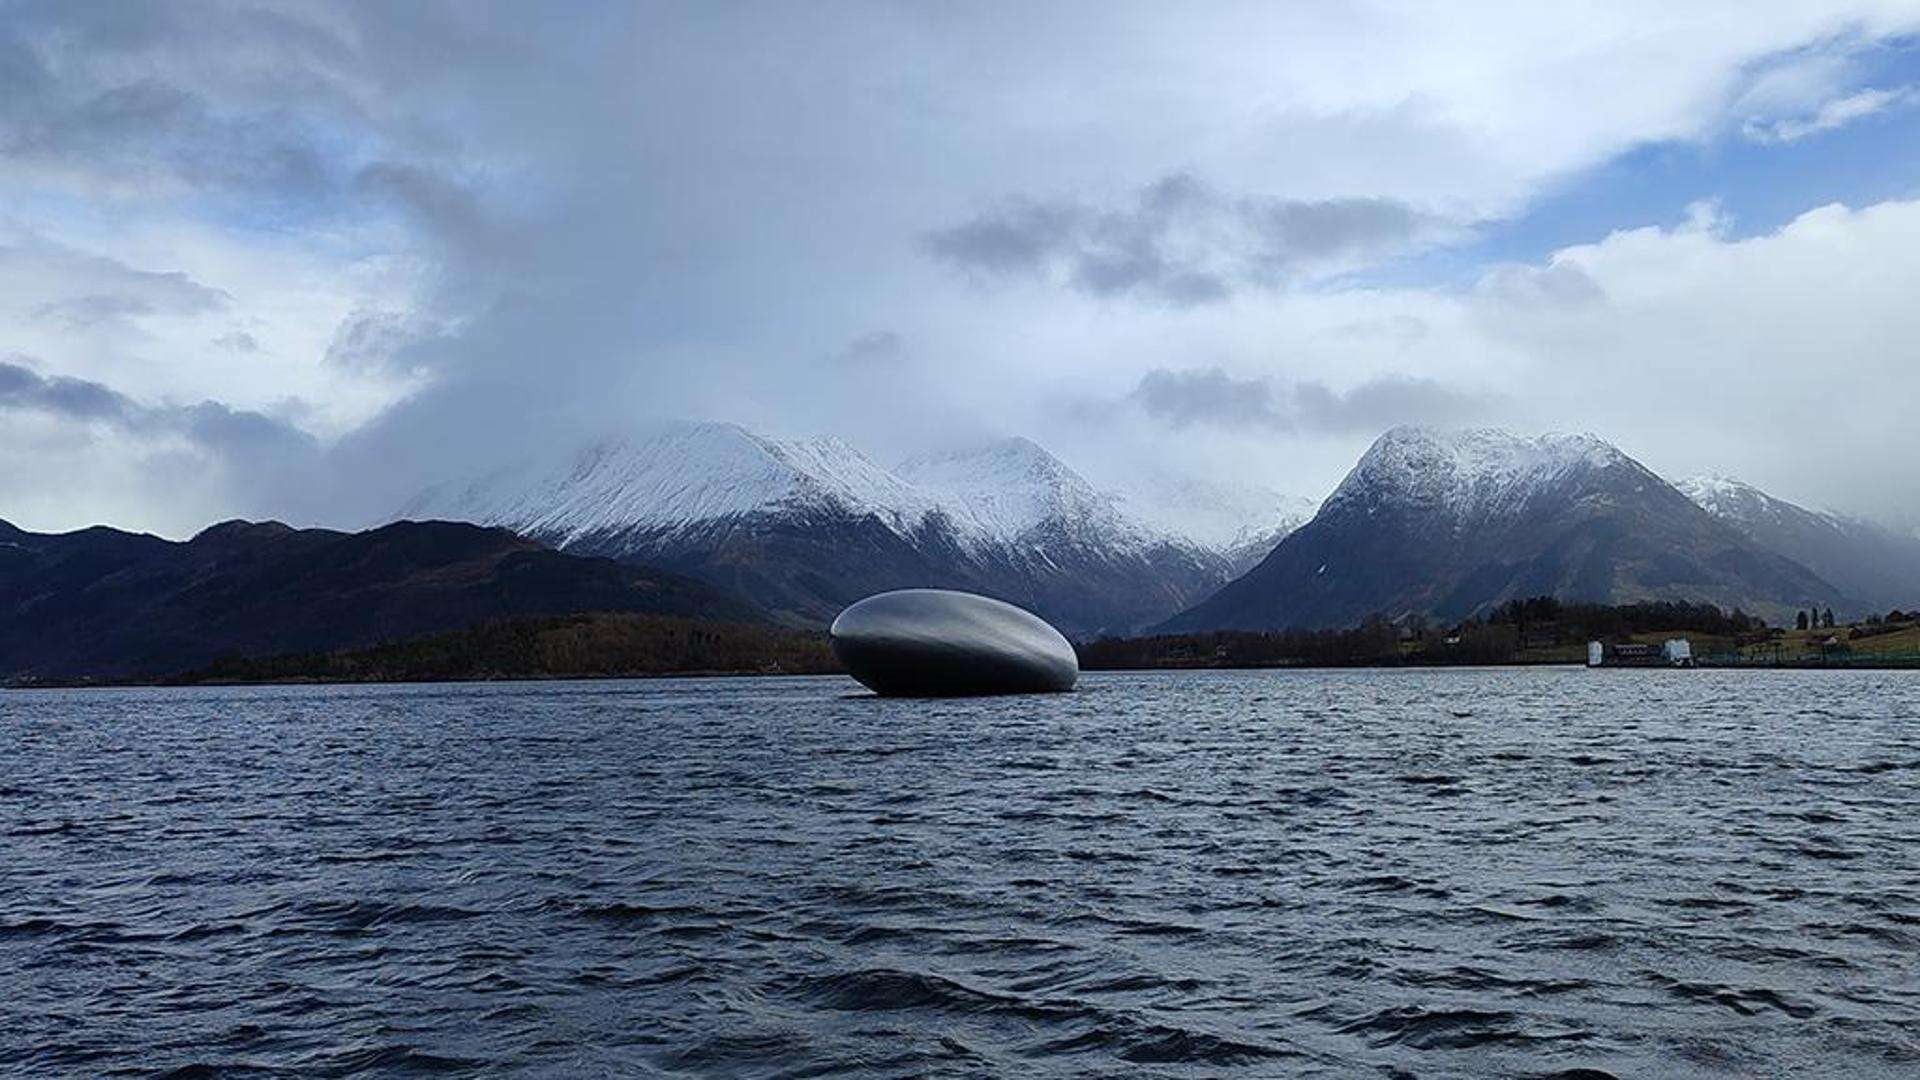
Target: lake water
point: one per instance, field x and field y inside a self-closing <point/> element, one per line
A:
<point x="1432" y="873"/>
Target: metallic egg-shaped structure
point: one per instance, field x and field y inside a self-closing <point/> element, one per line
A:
<point x="936" y="642"/>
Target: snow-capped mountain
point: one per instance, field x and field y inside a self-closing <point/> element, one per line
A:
<point x="1448" y="524"/>
<point x="806" y="527"/>
<point x="1474" y="473"/>
<point x="680" y="474"/>
<point x="1875" y="565"/>
<point x="1012" y="489"/>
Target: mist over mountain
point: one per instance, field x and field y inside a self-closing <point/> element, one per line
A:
<point x="1877" y="567"/>
<point x="1242" y="520"/>
<point x="1448" y="524"/>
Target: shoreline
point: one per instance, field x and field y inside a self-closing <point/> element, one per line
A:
<point x="169" y="684"/>
<point x="164" y="683"/>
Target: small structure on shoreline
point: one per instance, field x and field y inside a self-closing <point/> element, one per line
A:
<point x="1677" y="652"/>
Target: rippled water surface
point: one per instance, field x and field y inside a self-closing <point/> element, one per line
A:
<point x="1470" y="873"/>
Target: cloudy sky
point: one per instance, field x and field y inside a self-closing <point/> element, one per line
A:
<point x="297" y="260"/>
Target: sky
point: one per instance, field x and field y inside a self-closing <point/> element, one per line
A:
<point x="302" y="260"/>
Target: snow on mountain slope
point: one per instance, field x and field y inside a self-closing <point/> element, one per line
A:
<point x="1742" y="503"/>
<point x="1472" y="472"/>
<point x="680" y="474"/>
<point x="1721" y="496"/>
<point x="1875" y="566"/>
<point x="1011" y="487"/>
<point x="999" y="492"/>
<point x="807" y="527"/>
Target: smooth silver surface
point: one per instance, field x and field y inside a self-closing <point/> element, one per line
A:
<point x="936" y="642"/>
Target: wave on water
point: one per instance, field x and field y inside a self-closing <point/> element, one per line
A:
<point x="1325" y="874"/>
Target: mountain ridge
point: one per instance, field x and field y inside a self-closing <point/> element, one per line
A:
<point x="1445" y="525"/>
<point x="1876" y="566"/>
<point x="810" y="526"/>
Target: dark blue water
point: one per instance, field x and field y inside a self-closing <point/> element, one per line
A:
<point x="1503" y="873"/>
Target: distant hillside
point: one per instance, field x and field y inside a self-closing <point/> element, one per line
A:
<point x="105" y="603"/>
<point x="1869" y="563"/>
<point x="1447" y="525"/>
<point x="552" y="647"/>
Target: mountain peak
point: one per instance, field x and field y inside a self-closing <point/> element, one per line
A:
<point x="1449" y="524"/>
<point x="1722" y="496"/>
<point x="242" y="529"/>
<point x="1471" y="469"/>
<point x="1486" y="448"/>
<point x="1010" y="485"/>
<point x="1004" y="451"/>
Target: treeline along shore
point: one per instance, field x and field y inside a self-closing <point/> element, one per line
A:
<point x="627" y="645"/>
<point x="605" y="645"/>
<point x="1541" y="630"/>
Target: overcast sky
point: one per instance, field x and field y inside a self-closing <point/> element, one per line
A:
<point x="281" y="259"/>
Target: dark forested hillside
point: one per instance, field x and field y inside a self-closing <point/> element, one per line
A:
<point x="556" y="647"/>
<point x="104" y="603"/>
<point x="1539" y="629"/>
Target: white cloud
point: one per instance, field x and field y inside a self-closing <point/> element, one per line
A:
<point x="1832" y="115"/>
<point x="682" y="209"/>
<point x="1791" y="359"/>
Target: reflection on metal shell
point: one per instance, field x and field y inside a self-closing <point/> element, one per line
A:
<point x="934" y="642"/>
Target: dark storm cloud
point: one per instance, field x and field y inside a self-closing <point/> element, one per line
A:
<point x="1206" y="396"/>
<point x="1179" y="242"/>
<point x="1209" y="397"/>
<point x="210" y="425"/>
<point x="1384" y="403"/>
<point x="1287" y="233"/>
<point x="235" y="431"/>
<point x="1021" y="237"/>
<point x="21" y="387"/>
